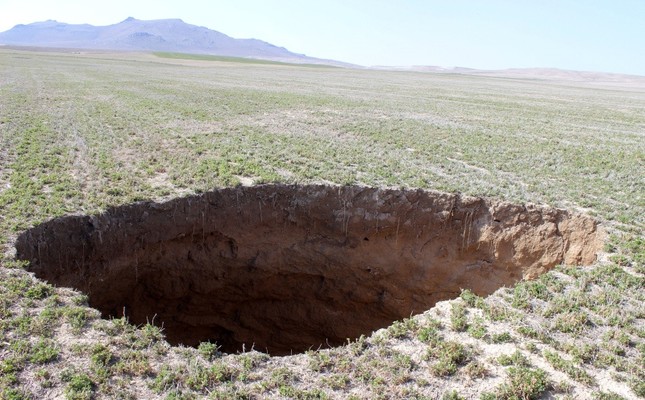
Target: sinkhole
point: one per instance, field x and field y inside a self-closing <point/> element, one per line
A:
<point x="285" y="268"/>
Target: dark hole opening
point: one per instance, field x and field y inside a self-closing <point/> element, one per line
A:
<point x="285" y="269"/>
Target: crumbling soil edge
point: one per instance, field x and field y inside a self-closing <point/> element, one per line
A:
<point x="286" y="268"/>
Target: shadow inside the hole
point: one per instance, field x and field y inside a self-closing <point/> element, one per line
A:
<point x="285" y="269"/>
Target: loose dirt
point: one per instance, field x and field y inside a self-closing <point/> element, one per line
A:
<point x="284" y="269"/>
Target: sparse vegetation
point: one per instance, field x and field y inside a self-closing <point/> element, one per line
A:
<point x="80" y="133"/>
<point x="523" y="383"/>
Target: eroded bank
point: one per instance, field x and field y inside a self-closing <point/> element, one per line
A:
<point x="285" y="268"/>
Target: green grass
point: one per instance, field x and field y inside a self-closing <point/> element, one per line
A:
<point x="523" y="383"/>
<point x="569" y="368"/>
<point x="80" y="133"/>
<point x="207" y="57"/>
<point x="237" y="60"/>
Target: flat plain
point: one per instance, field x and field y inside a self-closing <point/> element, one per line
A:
<point x="83" y="132"/>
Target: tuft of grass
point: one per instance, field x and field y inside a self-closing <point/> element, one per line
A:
<point x="516" y="359"/>
<point x="602" y="395"/>
<point x="15" y="394"/>
<point x="458" y="318"/>
<point x="477" y="329"/>
<point x="209" y="350"/>
<point x="320" y="361"/>
<point x="568" y="367"/>
<point x="39" y="291"/>
<point x="79" y="386"/>
<point x="404" y="328"/>
<point x="77" y="317"/>
<point x="452" y="395"/>
<point x="44" y="351"/>
<point x="429" y="332"/>
<point x="523" y="383"/>
<point x="133" y="363"/>
<point x="638" y="387"/>
<point x="449" y="355"/>
<point x="471" y="299"/>
<point x="166" y="379"/>
<point x="503" y="337"/>
<point x="571" y="322"/>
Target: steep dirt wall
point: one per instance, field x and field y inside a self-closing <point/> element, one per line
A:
<point x="288" y="268"/>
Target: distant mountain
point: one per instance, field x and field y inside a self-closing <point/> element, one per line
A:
<point x="557" y="74"/>
<point x="171" y="35"/>
<point x="547" y="74"/>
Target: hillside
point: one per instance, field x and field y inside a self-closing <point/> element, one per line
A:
<point x="169" y="35"/>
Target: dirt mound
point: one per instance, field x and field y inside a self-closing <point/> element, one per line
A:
<point x="289" y="268"/>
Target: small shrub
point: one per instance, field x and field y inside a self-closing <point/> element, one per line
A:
<point x="571" y="322"/>
<point x="523" y="383"/>
<point x="80" y="300"/>
<point x="44" y="351"/>
<point x="280" y="377"/>
<point x="14" y="394"/>
<point x="428" y="334"/>
<point x="583" y="352"/>
<point x="502" y="338"/>
<point x="401" y="329"/>
<point x="471" y="298"/>
<point x="452" y="395"/>
<point x="568" y="367"/>
<point x="319" y="361"/>
<point x="100" y="355"/>
<point x="79" y="387"/>
<point x="528" y="332"/>
<point x="458" y="319"/>
<point x="209" y="350"/>
<point x="532" y="347"/>
<point x="165" y="379"/>
<point x="133" y="362"/>
<point x="444" y="367"/>
<point x="9" y="369"/>
<point x="337" y="381"/>
<point x="39" y="291"/>
<point x="516" y="359"/>
<point x="638" y="386"/>
<point x="477" y="329"/>
<point x="476" y="370"/>
<point x="499" y="312"/>
<point x="607" y="396"/>
<point x="449" y="356"/>
<point x="148" y="335"/>
<point x="77" y="317"/>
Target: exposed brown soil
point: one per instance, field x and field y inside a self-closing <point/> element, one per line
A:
<point x="288" y="268"/>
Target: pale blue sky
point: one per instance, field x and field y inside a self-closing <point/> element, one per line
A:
<point x="592" y="35"/>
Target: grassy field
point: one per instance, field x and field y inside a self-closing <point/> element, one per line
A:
<point x="239" y="60"/>
<point x="79" y="133"/>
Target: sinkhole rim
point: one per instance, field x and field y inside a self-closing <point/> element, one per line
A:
<point x="422" y="247"/>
